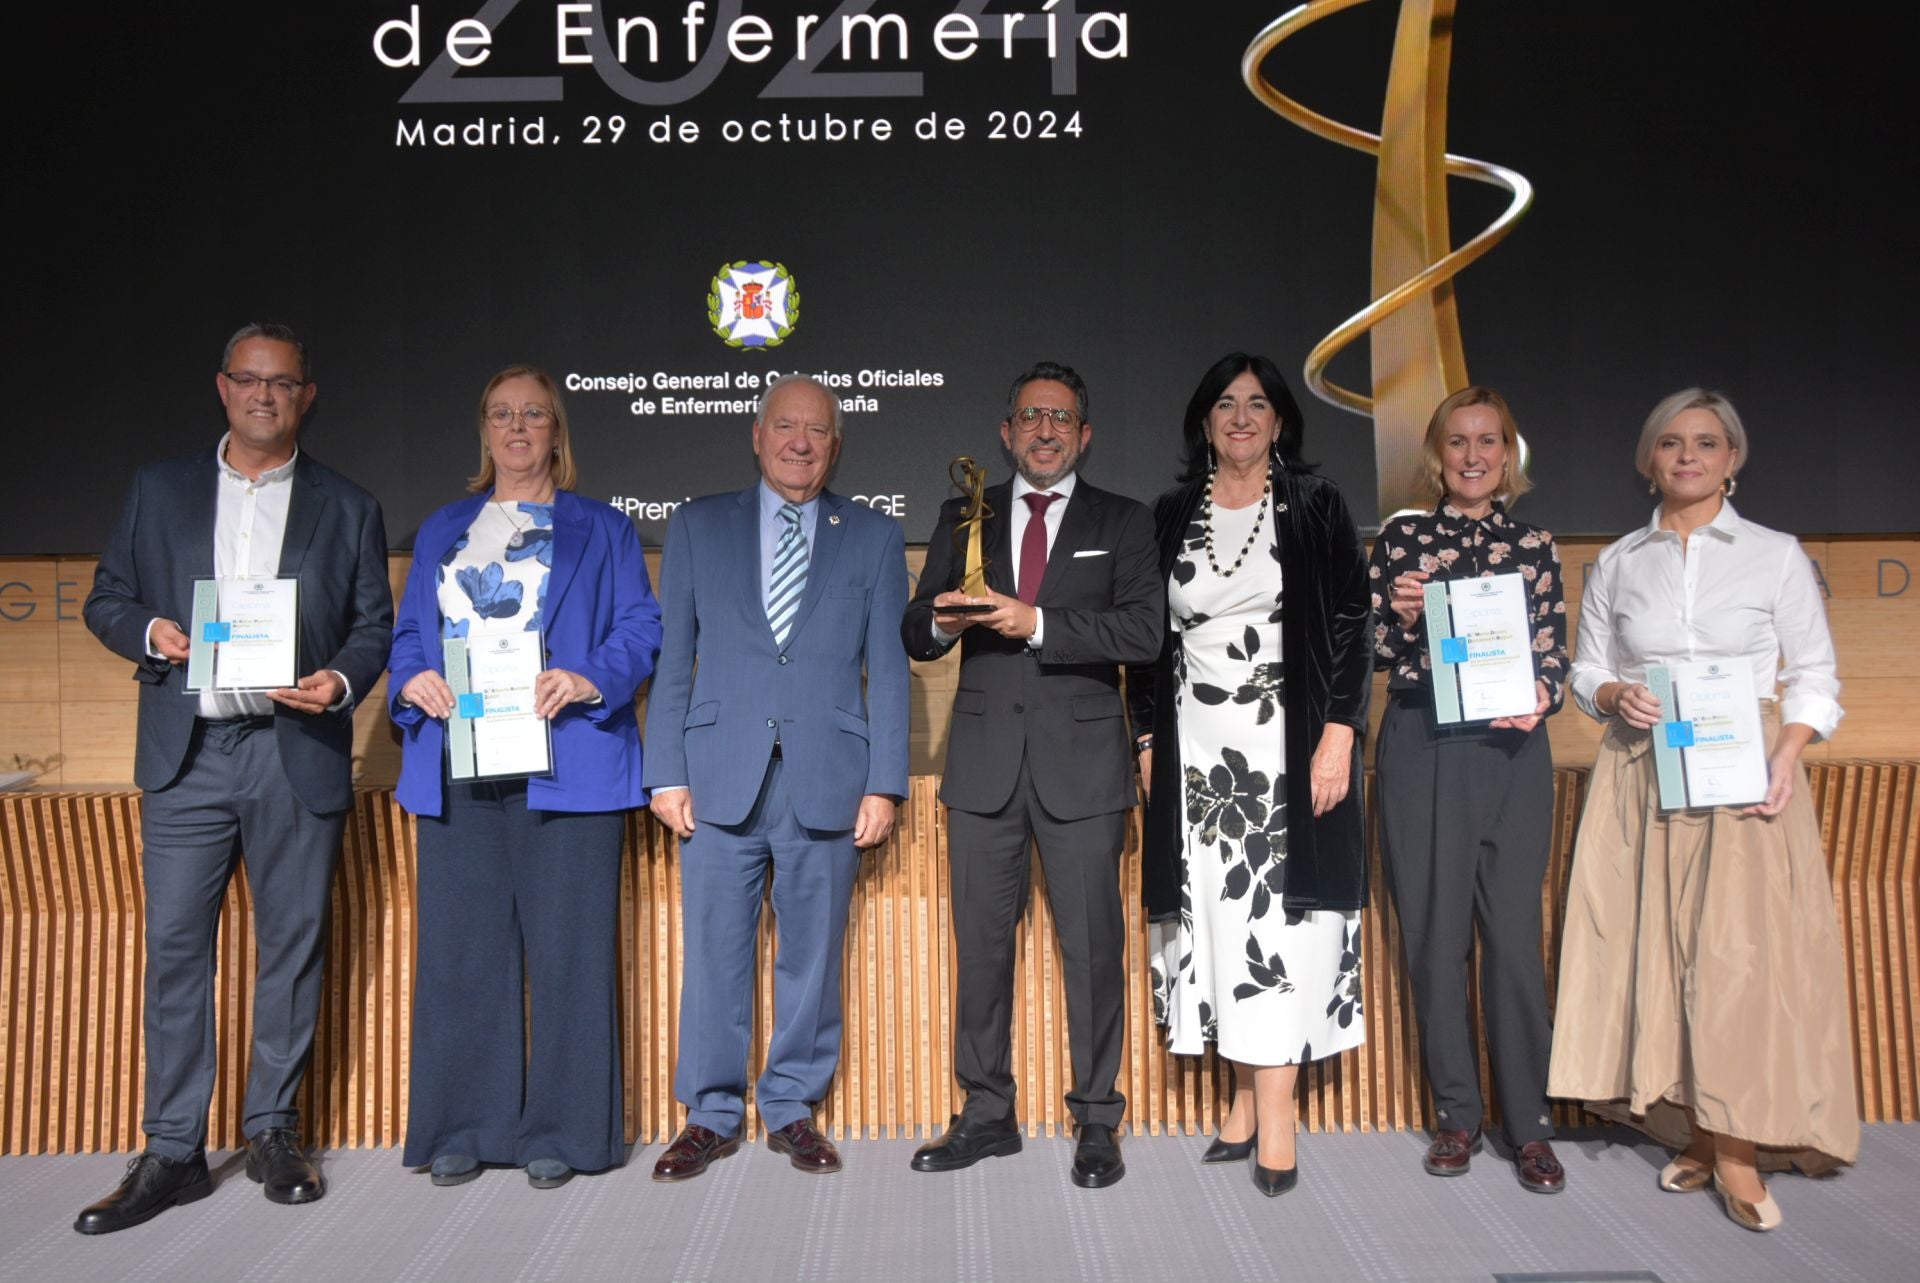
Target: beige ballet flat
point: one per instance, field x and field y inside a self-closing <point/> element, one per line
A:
<point x="1684" y="1178"/>
<point x="1759" y="1217"/>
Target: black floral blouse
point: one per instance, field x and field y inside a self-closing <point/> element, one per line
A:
<point x="1451" y="545"/>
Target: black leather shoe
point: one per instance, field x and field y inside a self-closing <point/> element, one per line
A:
<point x="1096" y="1158"/>
<point x="966" y="1143"/>
<point x="1230" y="1151"/>
<point x="276" y="1162"/>
<point x="1275" y="1181"/>
<point x="153" y="1183"/>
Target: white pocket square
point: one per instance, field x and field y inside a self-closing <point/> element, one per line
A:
<point x="1091" y="552"/>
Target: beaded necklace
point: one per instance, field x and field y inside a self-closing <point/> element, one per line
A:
<point x="1259" y="520"/>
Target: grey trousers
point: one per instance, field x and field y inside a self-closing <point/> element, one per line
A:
<point x="1465" y="820"/>
<point x="992" y="870"/>
<point x="231" y="797"/>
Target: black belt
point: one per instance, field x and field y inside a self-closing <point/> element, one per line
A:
<point x="250" y="722"/>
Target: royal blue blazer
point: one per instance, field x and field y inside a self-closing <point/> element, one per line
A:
<point x="602" y="622"/>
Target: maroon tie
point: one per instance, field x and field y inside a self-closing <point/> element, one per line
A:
<point x="1033" y="545"/>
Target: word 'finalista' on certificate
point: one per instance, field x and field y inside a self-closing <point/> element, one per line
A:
<point x="1479" y="649"/>
<point x="244" y="634"/>
<point x="1708" y="750"/>
<point x="494" y="733"/>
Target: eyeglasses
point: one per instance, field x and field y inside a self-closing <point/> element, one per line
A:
<point x="535" y="417"/>
<point x="281" y="385"/>
<point x="1029" y="416"/>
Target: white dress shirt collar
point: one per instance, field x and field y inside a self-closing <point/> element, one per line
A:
<point x="280" y="472"/>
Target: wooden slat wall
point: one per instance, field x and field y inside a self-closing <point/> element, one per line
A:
<point x="70" y="974"/>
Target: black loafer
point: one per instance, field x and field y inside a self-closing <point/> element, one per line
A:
<point x="276" y="1162"/>
<point x="153" y="1183"/>
<point x="1230" y="1151"/>
<point x="967" y="1142"/>
<point x="1275" y="1181"/>
<point x="1096" y="1158"/>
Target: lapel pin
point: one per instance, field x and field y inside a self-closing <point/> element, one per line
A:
<point x="833" y="519"/>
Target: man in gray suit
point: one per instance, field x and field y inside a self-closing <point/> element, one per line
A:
<point x="1039" y="749"/>
<point x="765" y="757"/>
<point x="264" y="774"/>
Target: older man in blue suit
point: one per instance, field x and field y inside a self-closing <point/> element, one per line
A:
<point x="764" y="756"/>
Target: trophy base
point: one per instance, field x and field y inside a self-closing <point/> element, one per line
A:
<point x="980" y="609"/>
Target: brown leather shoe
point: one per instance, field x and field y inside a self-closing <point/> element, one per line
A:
<point x="1537" y="1168"/>
<point x="1452" y="1151"/>
<point x="691" y="1151"/>
<point x="805" y="1147"/>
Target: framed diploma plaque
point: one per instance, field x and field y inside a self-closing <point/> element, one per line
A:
<point x="244" y="634"/>
<point x="493" y="733"/>
<point x="1480" y="649"/>
<point x="1709" y="750"/>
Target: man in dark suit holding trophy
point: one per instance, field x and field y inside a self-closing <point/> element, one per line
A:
<point x="1039" y="749"/>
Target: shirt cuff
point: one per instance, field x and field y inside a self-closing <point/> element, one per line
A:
<point x="1039" y="629"/>
<point x="668" y="788"/>
<point x="1809" y="708"/>
<point x="942" y="638"/>
<point x="346" y="700"/>
<point x="148" y="640"/>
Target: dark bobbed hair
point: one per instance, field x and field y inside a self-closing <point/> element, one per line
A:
<point x="1194" y="457"/>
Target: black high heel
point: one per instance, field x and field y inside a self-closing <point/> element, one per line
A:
<point x="1230" y="1151"/>
<point x="1273" y="1182"/>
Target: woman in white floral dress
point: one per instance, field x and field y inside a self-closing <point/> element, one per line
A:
<point x="1255" y="862"/>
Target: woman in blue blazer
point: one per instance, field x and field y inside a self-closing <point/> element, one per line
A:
<point x="518" y="879"/>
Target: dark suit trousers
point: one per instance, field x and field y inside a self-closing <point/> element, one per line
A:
<point x="231" y="796"/>
<point x="991" y="863"/>
<point x="1465" y="820"/>
<point x="519" y="923"/>
<point x="723" y="877"/>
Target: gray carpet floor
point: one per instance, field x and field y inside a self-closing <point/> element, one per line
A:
<point x="1364" y="1210"/>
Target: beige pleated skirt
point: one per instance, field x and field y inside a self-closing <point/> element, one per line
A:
<point x="1701" y="967"/>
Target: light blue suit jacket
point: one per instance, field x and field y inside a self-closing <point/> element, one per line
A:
<point x="601" y="621"/>
<point x="724" y="693"/>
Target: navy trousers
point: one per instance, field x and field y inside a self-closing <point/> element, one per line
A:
<point x="232" y="796"/>
<point x="516" y="1028"/>
<point x="723" y="873"/>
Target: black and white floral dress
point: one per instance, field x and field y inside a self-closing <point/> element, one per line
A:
<point x="1271" y="987"/>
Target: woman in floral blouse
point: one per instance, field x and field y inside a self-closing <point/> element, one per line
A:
<point x="1466" y="809"/>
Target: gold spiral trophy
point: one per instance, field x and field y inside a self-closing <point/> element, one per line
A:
<point x="1418" y="358"/>
<point x="971" y="479"/>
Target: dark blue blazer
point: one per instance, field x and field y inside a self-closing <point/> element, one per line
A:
<point x="725" y="692"/>
<point x="602" y="622"/>
<point x="335" y="544"/>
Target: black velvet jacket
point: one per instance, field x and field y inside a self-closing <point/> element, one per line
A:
<point x="1328" y="665"/>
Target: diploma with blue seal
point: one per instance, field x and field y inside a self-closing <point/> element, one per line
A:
<point x="244" y="634"/>
<point x="494" y="732"/>
<point x="1479" y="649"/>
<point x="1708" y="749"/>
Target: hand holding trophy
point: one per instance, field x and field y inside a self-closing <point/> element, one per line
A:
<point x="971" y="479"/>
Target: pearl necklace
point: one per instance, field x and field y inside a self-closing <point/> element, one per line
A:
<point x="1259" y="520"/>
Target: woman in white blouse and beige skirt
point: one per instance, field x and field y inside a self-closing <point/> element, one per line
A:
<point x="1702" y="991"/>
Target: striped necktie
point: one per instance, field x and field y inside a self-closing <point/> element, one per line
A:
<point x="789" y="580"/>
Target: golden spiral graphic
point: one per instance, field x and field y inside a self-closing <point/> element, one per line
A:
<point x="1412" y="321"/>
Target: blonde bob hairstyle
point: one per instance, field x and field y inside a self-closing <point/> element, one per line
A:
<point x="1672" y="407"/>
<point x="1432" y="477"/>
<point x="564" y="473"/>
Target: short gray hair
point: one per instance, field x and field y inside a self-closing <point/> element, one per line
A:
<point x="760" y="414"/>
<point x="268" y="330"/>
<point x="1672" y="407"/>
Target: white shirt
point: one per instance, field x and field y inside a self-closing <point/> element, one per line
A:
<point x="1741" y="591"/>
<point x="1020" y="515"/>
<point x="249" y="525"/>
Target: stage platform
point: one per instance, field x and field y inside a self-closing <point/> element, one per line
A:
<point x="1364" y="1211"/>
